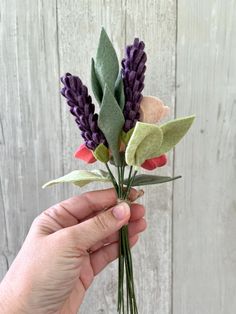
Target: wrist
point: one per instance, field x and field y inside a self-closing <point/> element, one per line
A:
<point x="9" y="302"/>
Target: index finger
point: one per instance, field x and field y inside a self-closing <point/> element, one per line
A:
<point x="89" y="203"/>
<point x="77" y="208"/>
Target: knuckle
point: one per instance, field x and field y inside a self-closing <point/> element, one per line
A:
<point x="86" y="197"/>
<point x="101" y="222"/>
<point x="36" y="220"/>
<point x="53" y="212"/>
<point x="39" y="221"/>
<point x="69" y="234"/>
<point x="143" y="225"/>
<point x="64" y="239"/>
<point x="69" y="239"/>
<point x="37" y="225"/>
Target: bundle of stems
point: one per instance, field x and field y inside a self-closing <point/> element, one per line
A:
<point x="126" y="302"/>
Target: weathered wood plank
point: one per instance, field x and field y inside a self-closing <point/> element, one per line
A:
<point x="38" y="138"/>
<point x="155" y="22"/>
<point x="30" y="144"/>
<point x="204" y="204"/>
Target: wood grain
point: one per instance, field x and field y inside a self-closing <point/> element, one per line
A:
<point x="30" y="144"/>
<point x="154" y="22"/>
<point x="204" y="204"/>
<point x="185" y="262"/>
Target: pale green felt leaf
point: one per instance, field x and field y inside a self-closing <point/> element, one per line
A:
<point x="173" y="131"/>
<point x="101" y="153"/>
<point x="125" y="136"/>
<point x="106" y="65"/>
<point x="81" y="178"/>
<point x="146" y="179"/>
<point x="144" y="143"/>
<point x="119" y="91"/>
<point x="111" y="121"/>
<point x="96" y="87"/>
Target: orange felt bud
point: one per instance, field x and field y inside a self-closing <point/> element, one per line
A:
<point x="153" y="163"/>
<point x="85" y="154"/>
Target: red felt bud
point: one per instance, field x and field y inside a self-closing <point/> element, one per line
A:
<point x="153" y="163"/>
<point x="85" y="154"/>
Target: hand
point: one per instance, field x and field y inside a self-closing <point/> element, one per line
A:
<point x="67" y="245"/>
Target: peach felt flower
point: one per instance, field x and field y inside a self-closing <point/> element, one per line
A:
<point x="152" y="109"/>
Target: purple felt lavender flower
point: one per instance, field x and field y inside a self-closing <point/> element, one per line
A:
<point x="133" y="69"/>
<point x="82" y="108"/>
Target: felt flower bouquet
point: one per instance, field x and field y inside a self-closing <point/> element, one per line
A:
<point x="125" y="136"/>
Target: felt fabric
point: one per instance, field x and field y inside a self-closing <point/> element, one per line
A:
<point x="106" y="65"/>
<point x="125" y="136"/>
<point x="156" y="162"/>
<point x="82" y="108"/>
<point x="144" y="143"/>
<point x="173" y="131"/>
<point x="133" y="73"/>
<point x="101" y="153"/>
<point x="119" y="92"/>
<point x="122" y="147"/>
<point x="149" y="140"/>
<point x="96" y="87"/>
<point x="146" y="179"/>
<point x="122" y="159"/>
<point x="81" y="178"/>
<point x="85" y="154"/>
<point x="152" y="109"/>
<point x="111" y="121"/>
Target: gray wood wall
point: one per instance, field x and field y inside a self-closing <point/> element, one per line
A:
<point x="186" y="260"/>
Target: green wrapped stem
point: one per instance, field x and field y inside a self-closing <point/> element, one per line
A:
<point x="126" y="293"/>
<point x="127" y="281"/>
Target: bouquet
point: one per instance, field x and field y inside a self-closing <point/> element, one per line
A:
<point x="125" y="136"/>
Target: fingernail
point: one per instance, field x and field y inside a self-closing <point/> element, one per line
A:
<point x="121" y="211"/>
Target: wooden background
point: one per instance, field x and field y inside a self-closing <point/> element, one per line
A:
<point x="186" y="260"/>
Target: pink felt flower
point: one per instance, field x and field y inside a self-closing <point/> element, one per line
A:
<point x="153" y="163"/>
<point x="85" y="154"/>
<point x="152" y="109"/>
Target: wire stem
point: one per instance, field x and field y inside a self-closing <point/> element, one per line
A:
<point x="125" y="267"/>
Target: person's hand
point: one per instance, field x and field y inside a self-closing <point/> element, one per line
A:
<point x="67" y="245"/>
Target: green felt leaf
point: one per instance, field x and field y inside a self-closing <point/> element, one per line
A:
<point x="106" y="65"/>
<point x="96" y="87"/>
<point x="122" y="159"/>
<point x="81" y="177"/>
<point x="101" y="153"/>
<point x="111" y="121"/>
<point x="173" y="131"/>
<point x="125" y="136"/>
<point x="144" y="143"/>
<point x="146" y="179"/>
<point x="119" y="91"/>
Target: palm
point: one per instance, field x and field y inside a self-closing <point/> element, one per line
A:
<point x="74" y="300"/>
<point x="83" y="268"/>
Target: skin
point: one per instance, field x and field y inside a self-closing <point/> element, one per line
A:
<point x="66" y="247"/>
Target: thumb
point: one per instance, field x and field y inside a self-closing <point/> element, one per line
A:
<point x="101" y="226"/>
